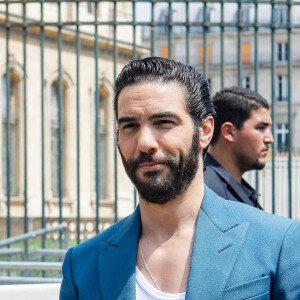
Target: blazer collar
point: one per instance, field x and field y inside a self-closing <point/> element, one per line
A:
<point x="218" y="240"/>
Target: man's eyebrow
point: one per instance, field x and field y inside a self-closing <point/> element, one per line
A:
<point x="126" y="119"/>
<point x="165" y="115"/>
<point x="264" y="123"/>
<point x="154" y="116"/>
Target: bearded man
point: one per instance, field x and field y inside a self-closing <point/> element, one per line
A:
<point x="183" y="241"/>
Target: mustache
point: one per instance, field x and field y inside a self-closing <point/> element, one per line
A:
<point x="144" y="157"/>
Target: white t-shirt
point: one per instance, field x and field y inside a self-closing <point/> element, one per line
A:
<point x="145" y="291"/>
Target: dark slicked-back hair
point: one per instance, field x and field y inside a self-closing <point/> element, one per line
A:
<point x="235" y="105"/>
<point x="164" y="71"/>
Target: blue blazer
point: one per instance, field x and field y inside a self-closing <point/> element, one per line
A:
<point x="239" y="252"/>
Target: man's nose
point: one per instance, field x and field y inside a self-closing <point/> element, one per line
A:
<point x="269" y="137"/>
<point x="147" y="141"/>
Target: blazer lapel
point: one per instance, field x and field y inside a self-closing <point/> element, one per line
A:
<point x="117" y="260"/>
<point x="218" y="240"/>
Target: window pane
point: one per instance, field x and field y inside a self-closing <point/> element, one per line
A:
<point x="285" y="51"/>
<point x="201" y="54"/>
<point x="282" y="52"/>
<point x="279" y="88"/>
<point x="3" y="96"/>
<point x="54" y="110"/>
<point x="164" y="52"/>
<point x="102" y="159"/>
<point x="279" y="52"/>
<point x="54" y="104"/>
<point x="246" y="82"/>
<point x="13" y="138"/>
<point x="102" y="143"/>
<point x="282" y="88"/>
<point x="282" y="14"/>
<point x="282" y="137"/>
<point x="246" y="53"/>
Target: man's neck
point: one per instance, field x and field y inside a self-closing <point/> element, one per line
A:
<point x="226" y="160"/>
<point x="167" y="237"/>
<point x="179" y="214"/>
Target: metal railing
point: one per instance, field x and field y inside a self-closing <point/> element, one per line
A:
<point x="35" y="234"/>
<point x="26" y="264"/>
<point x="27" y="280"/>
<point x="80" y="46"/>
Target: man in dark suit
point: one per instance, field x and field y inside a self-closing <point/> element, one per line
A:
<point x="240" y="143"/>
<point x="183" y="241"/>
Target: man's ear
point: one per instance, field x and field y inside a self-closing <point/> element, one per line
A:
<point x="206" y="131"/>
<point x="228" y="131"/>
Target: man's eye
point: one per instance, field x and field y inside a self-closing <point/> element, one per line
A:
<point x="129" y="126"/>
<point x="164" y="122"/>
<point x="261" y="128"/>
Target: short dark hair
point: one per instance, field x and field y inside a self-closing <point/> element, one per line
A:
<point x="234" y="105"/>
<point x="156" y="69"/>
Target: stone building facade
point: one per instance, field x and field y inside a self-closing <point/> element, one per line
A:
<point x="42" y="110"/>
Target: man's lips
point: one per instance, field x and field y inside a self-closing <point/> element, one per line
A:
<point x="150" y="166"/>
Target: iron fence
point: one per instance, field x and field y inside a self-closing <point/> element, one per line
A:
<point x="58" y="61"/>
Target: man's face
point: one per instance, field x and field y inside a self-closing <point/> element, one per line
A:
<point x="158" y="142"/>
<point x="252" y="141"/>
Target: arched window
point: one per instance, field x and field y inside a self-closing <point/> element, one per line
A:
<point x="13" y="130"/>
<point x="102" y="143"/>
<point x="55" y="155"/>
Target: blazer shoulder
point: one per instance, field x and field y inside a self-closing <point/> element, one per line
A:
<point x="261" y="219"/>
<point x="287" y="279"/>
<point x="227" y="211"/>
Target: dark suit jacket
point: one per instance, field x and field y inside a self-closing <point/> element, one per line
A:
<point x="221" y="182"/>
<point x="239" y="252"/>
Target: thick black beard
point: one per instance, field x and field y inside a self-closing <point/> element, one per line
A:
<point x="162" y="190"/>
